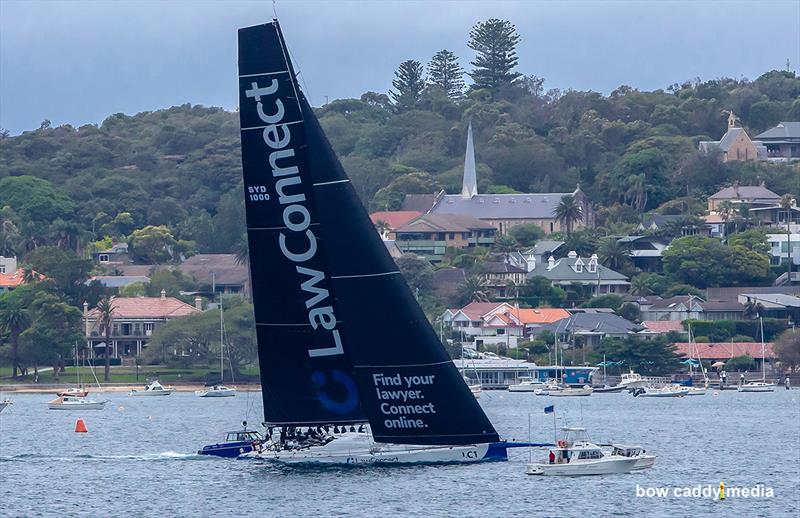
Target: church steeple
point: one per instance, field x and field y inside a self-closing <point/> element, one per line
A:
<point x="470" y="185"/>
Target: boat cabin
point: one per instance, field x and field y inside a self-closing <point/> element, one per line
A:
<point x="627" y="451"/>
<point x="242" y="436"/>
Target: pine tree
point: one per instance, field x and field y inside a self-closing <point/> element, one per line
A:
<point x="494" y="42"/>
<point x="445" y="72"/>
<point x="409" y="83"/>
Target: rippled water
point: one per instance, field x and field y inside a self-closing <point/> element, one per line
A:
<point x="138" y="460"/>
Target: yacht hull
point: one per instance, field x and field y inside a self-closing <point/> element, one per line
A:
<point x="95" y="405"/>
<point x="215" y="393"/>
<point x="765" y="387"/>
<point x="358" y="450"/>
<point x="148" y="393"/>
<point x="644" y="462"/>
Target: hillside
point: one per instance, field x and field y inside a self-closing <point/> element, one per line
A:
<point x="631" y="151"/>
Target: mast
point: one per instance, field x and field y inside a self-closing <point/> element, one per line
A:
<point x="221" y="343"/>
<point x="763" y="362"/>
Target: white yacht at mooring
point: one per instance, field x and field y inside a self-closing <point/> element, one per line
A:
<point x="153" y="389"/>
<point x="576" y="455"/>
<point x="313" y="255"/>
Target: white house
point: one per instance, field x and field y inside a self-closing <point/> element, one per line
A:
<point x="779" y="247"/>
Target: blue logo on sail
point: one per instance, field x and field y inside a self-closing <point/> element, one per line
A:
<point x="322" y="383"/>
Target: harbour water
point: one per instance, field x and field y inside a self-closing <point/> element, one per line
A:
<point x="138" y="459"/>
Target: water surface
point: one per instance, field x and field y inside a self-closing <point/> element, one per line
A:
<point x="138" y="459"/>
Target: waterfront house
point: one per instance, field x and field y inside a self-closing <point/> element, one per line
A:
<point x="753" y="196"/>
<point x="689" y="307"/>
<point x="118" y="281"/>
<point x="222" y="271"/>
<point x="646" y="252"/>
<point x="498" y="323"/>
<point x="775" y="305"/>
<point x="392" y="219"/>
<point x="712" y="352"/>
<point x="592" y="327"/>
<point x="431" y="234"/>
<point x="135" y="320"/>
<point x="502" y="278"/>
<point x="12" y="277"/>
<point x="782" y="142"/>
<point x="573" y="271"/>
<point x="779" y="247"/>
<point x="655" y="328"/>
<point x="116" y="255"/>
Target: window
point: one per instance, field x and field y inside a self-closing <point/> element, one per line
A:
<point x="2" y="268"/>
<point x="148" y="326"/>
<point x="452" y="235"/>
<point x="551" y="226"/>
<point x="103" y="258"/>
<point x="501" y="331"/>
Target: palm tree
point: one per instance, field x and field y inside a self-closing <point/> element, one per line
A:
<point x="637" y="190"/>
<point x="14" y="320"/>
<point x="582" y="242"/>
<point x="786" y="205"/>
<point x="504" y="246"/>
<point x="613" y="254"/>
<point x="640" y="286"/>
<point x="753" y="309"/>
<point x="242" y="251"/>
<point x="568" y="211"/>
<point x="105" y="319"/>
<point x="474" y="289"/>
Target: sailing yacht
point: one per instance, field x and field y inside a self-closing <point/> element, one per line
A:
<point x="218" y="389"/>
<point x="325" y="290"/>
<point x="763" y="385"/>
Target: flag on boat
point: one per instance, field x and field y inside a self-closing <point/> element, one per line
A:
<point x="549" y="409"/>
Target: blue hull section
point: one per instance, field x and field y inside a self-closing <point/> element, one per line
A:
<point x="230" y="450"/>
<point x="499" y="450"/>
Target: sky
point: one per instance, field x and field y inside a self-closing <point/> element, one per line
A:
<point x="77" y="62"/>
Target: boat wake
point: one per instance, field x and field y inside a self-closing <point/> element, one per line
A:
<point x="163" y="456"/>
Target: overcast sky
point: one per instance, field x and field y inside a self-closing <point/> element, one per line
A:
<point x="78" y="62"/>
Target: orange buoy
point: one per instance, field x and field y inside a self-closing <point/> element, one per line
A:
<point x="80" y="426"/>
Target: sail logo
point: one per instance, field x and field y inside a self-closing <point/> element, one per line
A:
<point x="282" y="161"/>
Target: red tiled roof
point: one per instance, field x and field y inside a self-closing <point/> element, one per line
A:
<point x="540" y="315"/>
<point x="394" y="218"/>
<point x="475" y="310"/>
<point x="663" y="326"/>
<point x="17" y="278"/>
<point x="723" y="350"/>
<point x="148" y="307"/>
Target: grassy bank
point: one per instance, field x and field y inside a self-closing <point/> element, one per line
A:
<point x="123" y="375"/>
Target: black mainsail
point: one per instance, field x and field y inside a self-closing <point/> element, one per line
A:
<point x="341" y="338"/>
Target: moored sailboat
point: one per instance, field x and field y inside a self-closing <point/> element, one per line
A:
<point x="314" y="258"/>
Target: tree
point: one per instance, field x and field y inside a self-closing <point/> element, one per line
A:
<point x="408" y="83"/>
<point x="383" y="228"/>
<point x="651" y="357"/>
<point x="787" y="348"/>
<point x="445" y="73"/>
<point x="105" y="320"/>
<point x="604" y="301"/>
<point x="754" y="239"/>
<point x="417" y="272"/>
<point x="13" y="320"/>
<point x="641" y="286"/>
<point x="243" y="251"/>
<point x="753" y="309"/>
<point x="704" y="261"/>
<point x="54" y="327"/>
<point x="64" y="269"/>
<point x="153" y="244"/>
<point x="568" y="212"/>
<point x="504" y="246"/>
<point x="526" y="234"/>
<point x="494" y="42"/>
<point x="613" y="254"/>
<point x="473" y="289"/>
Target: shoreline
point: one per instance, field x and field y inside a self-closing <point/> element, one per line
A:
<point x="114" y="387"/>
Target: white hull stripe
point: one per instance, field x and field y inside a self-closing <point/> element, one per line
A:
<point x="265" y="74"/>
<point x="358" y="276"/>
<point x="268" y="125"/>
<point x="331" y="183"/>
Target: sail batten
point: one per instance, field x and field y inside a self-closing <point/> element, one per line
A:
<point x="368" y="351"/>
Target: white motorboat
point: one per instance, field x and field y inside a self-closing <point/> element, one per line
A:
<point x="153" y="389"/>
<point x="359" y="448"/>
<point x="75" y="403"/>
<point x="527" y="385"/>
<point x="644" y="460"/>
<point x="666" y="391"/>
<point x="475" y="386"/>
<point x="216" y="391"/>
<point x="605" y="389"/>
<point x="757" y="386"/>
<point x="632" y="380"/>
<point x="586" y="390"/>
<point x="696" y="391"/>
<point x="4" y="403"/>
<point x="74" y="391"/>
<point x="576" y="455"/>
